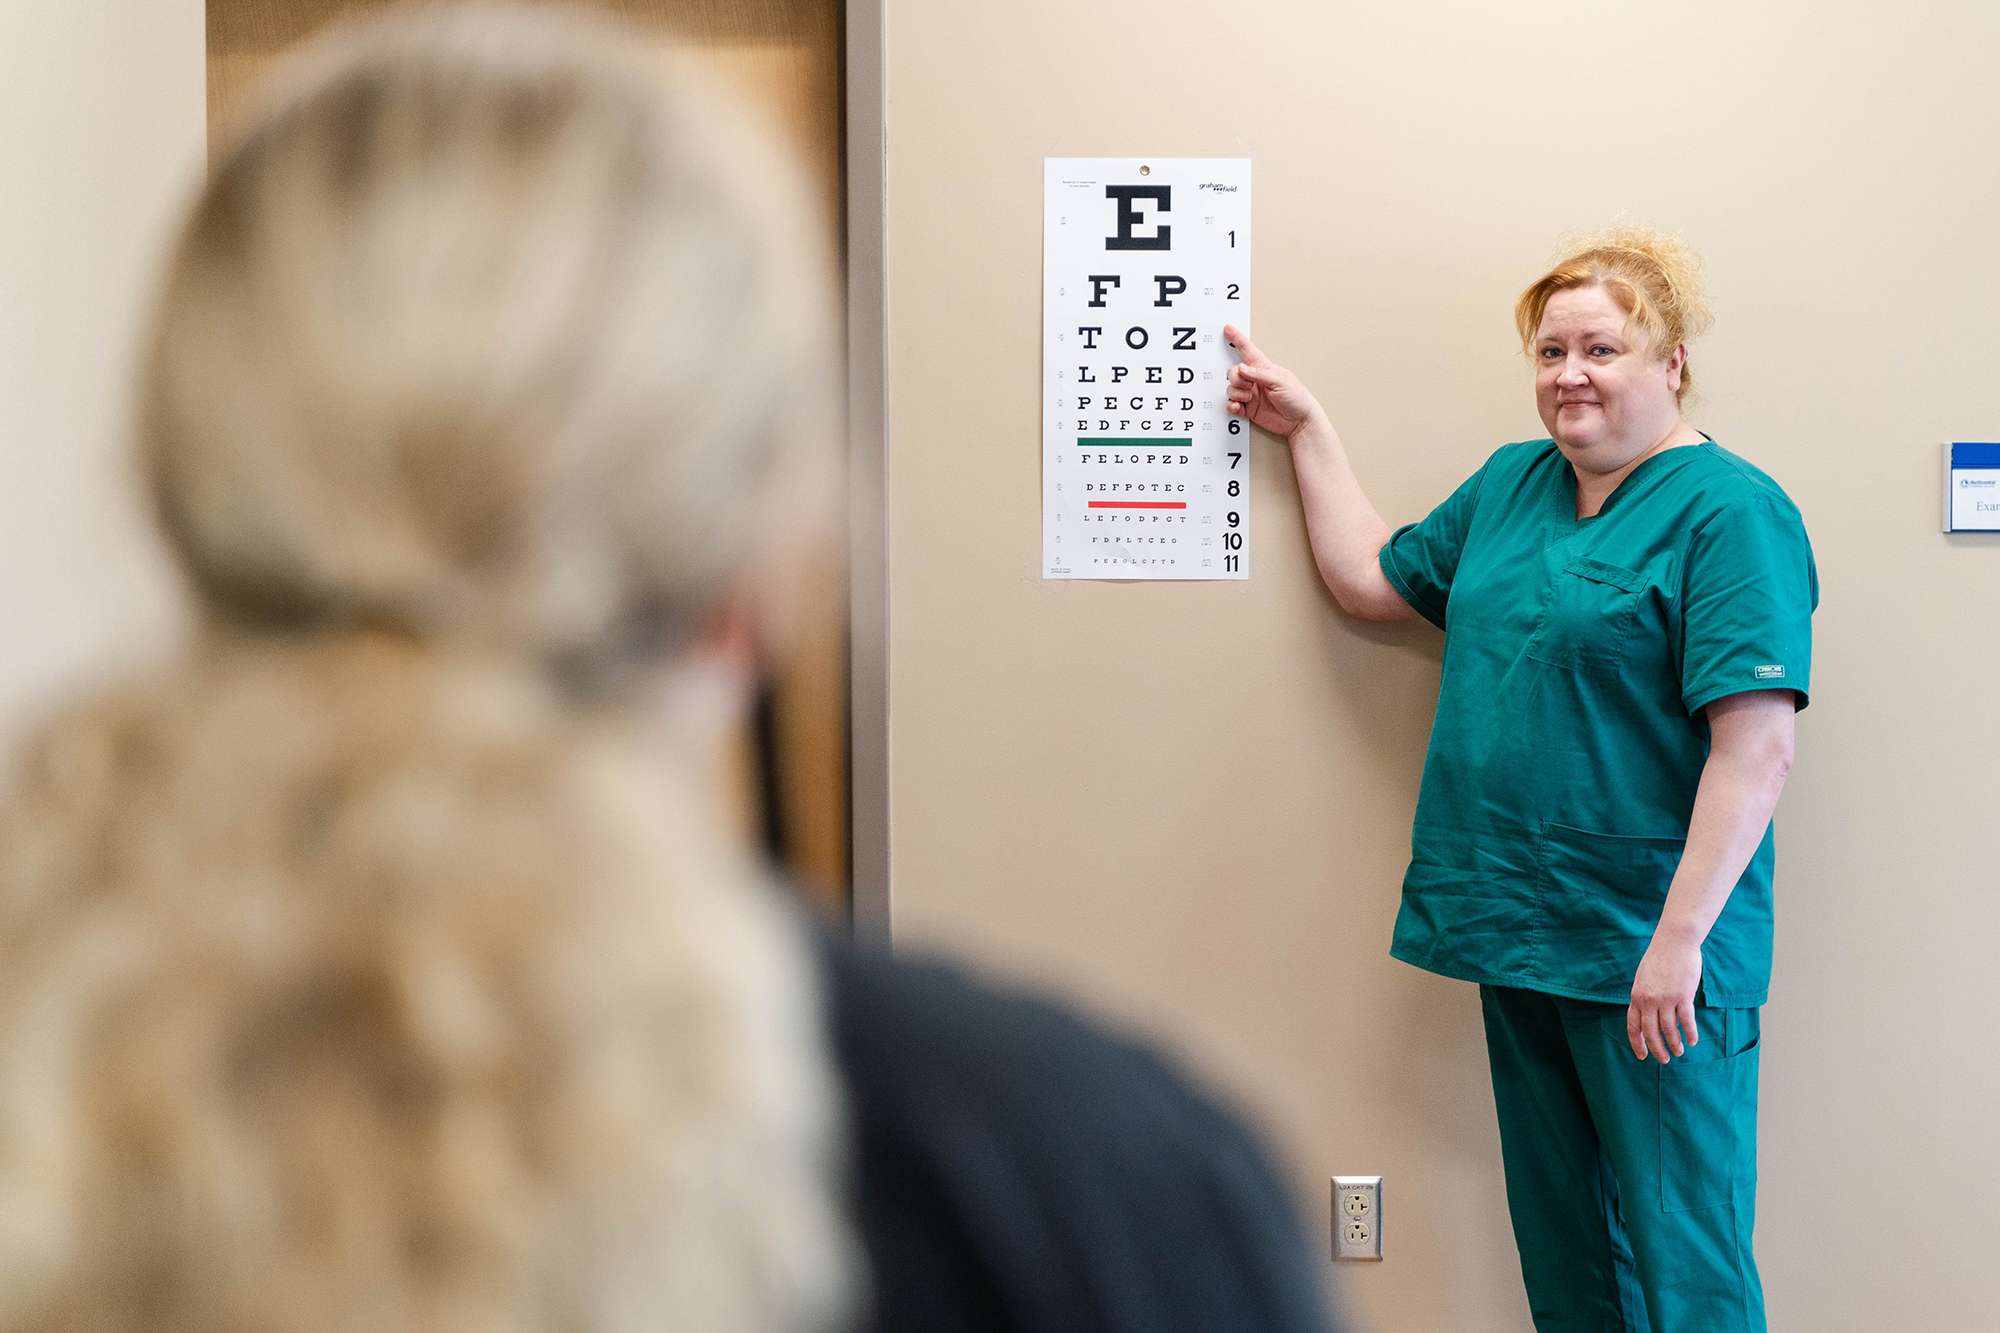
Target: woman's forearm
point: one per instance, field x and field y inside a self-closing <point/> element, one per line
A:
<point x="1345" y="529"/>
<point x="1748" y="762"/>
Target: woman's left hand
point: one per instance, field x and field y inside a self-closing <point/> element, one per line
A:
<point x="1663" y="1000"/>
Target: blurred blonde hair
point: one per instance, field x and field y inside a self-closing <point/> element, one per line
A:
<point x="487" y="336"/>
<point x="375" y="967"/>
<point x="1654" y="278"/>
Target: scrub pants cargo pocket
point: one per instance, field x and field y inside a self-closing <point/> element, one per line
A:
<point x="1708" y="1129"/>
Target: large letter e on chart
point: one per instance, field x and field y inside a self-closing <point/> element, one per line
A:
<point x="1128" y="217"/>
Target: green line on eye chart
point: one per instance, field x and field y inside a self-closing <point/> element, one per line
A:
<point x="1105" y="442"/>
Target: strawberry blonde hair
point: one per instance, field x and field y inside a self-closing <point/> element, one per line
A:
<point x="1654" y="279"/>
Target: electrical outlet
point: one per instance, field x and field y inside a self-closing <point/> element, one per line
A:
<point x="1357" y="1217"/>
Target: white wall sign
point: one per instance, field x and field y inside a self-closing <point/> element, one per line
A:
<point x="1145" y="475"/>
<point x="1972" y="487"/>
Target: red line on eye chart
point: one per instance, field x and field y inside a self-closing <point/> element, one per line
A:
<point x="1138" y="504"/>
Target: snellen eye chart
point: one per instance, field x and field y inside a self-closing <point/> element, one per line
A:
<point x="1145" y="475"/>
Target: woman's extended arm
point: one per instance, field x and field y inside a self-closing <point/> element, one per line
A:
<point x="1749" y="756"/>
<point x="1345" y="530"/>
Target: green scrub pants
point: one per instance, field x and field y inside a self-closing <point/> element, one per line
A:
<point x="1632" y="1186"/>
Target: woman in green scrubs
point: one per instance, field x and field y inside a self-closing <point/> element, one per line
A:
<point x="1627" y="615"/>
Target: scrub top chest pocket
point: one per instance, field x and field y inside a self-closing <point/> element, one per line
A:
<point x="1587" y="622"/>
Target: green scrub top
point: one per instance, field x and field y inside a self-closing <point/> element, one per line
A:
<point x="1569" y="740"/>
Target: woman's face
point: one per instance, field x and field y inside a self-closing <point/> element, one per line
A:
<point x="1603" y="394"/>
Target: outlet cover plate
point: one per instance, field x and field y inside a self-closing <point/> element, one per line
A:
<point x="1357" y="1218"/>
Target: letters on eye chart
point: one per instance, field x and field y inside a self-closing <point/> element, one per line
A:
<point x="1145" y="475"/>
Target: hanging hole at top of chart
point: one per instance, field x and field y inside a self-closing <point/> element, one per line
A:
<point x="1145" y="170"/>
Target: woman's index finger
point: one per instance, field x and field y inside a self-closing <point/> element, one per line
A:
<point x="1244" y="347"/>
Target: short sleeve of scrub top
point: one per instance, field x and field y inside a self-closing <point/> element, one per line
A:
<point x="1747" y="601"/>
<point x="1421" y="559"/>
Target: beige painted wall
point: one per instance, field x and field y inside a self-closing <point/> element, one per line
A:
<point x="101" y="135"/>
<point x="1191" y="803"/>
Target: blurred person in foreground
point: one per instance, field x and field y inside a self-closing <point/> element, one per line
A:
<point x="379" y="964"/>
